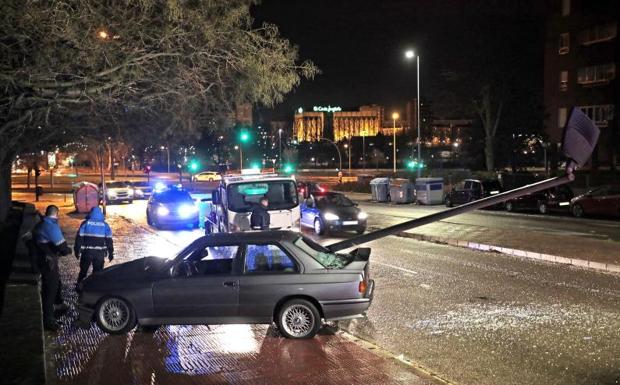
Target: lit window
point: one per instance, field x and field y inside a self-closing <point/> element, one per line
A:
<point x="596" y="74"/>
<point x="565" y="7"/>
<point x="564" y="43"/>
<point x="598" y="33"/>
<point x="599" y="114"/>
<point x="561" y="117"/>
<point x="563" y="80"/>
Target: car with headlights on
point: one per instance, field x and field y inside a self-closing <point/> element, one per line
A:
<point x="142" y="190"/>
<point x="224" y="278"/>
<point x="172" y="207"/>
<point x="116" y="192"/>
<point x="326" y="212"/>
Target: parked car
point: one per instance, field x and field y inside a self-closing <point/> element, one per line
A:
<point x="603" y="200"/>
<point x="142" y="190"/>
<point x="471" y="190"/>
<point x="117" y="192"/>
<point x="207" y="176"/>
<point x="329" y="211"/>
<point x="249" y="277"/>
<point x="172" y="206"/>
<point x="555" y="199"/>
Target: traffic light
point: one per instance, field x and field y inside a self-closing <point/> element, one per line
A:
<point x="244" y="137"/>
<point x="194" y="165"/>
<point x="255" y="166"/>
<point x="414" y="165"/>
<point x="288" y="168"/>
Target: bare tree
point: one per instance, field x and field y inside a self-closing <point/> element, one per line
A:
<point x="489" y="109"/>
<point x="176" y="62"/>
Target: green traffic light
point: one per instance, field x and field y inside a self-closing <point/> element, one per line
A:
<point x="255" y="166"/>
<point x="194" y="165"/>
<point x="244" y="137"/>
<point x="288" y="168"/>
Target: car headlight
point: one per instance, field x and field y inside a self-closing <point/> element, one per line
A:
<point x="111" y="193"/>
<point x="162" y="211"/>
<point x="187" y="210"/>
<point x="130" y="193"/>
<point x="331" y="217"/>
<point x="139" y="193"/>
<point x="362" y="215"/>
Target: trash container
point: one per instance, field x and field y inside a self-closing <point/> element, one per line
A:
<point x="401" y="191"/>
<point x="429" y="191"/>
<point x="379" y="187"/>
<point x="85" y="196"/>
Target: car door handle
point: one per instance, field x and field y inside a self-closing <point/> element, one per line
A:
<point x="230" y="284"/>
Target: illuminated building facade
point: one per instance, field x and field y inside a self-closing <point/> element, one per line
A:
<point x="309" y="126"/>
<point x="365" y="122"/>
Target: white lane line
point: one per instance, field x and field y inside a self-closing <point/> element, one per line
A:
<point x="395" y="267"/>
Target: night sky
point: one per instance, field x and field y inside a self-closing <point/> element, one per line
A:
<point x="359" y="45"/>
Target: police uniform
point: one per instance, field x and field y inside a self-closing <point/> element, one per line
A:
<point x="93" y="243"/>
<point x="50" y="244"/>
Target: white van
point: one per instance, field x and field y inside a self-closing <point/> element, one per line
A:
<point x="236" y="196"/>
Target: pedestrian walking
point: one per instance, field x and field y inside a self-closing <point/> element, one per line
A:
<point x="93" y="243"/>
<point x="260" y="218"/>
<point x="50" y="244"/>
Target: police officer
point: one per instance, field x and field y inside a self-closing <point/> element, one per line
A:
<point x="93" y="243"/>
<point x="50" y="244"/>
<point x="260" y="219"/>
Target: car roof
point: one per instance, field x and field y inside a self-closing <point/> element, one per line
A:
<point x="251" y="236"/>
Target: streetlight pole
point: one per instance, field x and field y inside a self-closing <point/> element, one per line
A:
<point x="280" y="146"/>
<point x="364" y="149"/>
<point x="394" y="117"/>
<point x="409" y="54"/>
<point x="339" y="156"/>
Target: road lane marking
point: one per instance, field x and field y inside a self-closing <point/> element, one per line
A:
<point x="395" y="267"/>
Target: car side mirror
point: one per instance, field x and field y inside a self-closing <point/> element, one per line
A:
<point x="215" y="197"/>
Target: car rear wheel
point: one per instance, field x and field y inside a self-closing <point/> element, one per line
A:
<point x="318" y="227"/>
<point x="115" y="316"/>
<point x="577" y="211"/>
<point x="542" y="208"/>
<point x="299" y="319"/>
<point x="361" y="230"/>
<point x="509" y="206"/>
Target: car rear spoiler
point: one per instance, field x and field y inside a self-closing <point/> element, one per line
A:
<point x="579" y="140"/>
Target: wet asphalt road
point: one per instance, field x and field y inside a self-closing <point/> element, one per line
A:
<point x="482" y="318"/>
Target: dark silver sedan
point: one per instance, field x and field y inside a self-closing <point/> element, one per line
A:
<point x="249" y="277"/>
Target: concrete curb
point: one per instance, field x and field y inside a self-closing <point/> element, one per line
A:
<point x="599" y="266"/>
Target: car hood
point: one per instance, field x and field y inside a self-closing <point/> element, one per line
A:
<point x="136" y="269"/>
<point x="340" y="210"/>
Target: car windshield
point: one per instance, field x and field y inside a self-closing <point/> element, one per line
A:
<point x="322" y="255"/>
<point x="117" y="185"/>
<point x="172" y="196"/>
<point x="282" y="195"/>
<point x="333" y="199"/>
<point x="141" y="184"/>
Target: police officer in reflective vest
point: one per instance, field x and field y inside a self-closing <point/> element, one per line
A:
<point x="50" y="244"/>
<point x="93" y="243"/>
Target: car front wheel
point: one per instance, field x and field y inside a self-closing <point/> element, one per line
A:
<point x="577" y="211"/>
<point x="115" y="315"/>
<point x="299" y="319"/>
<point x="318" y="227"/>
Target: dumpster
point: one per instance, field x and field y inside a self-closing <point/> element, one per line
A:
<point x="429" y="191"/>
<point x="401" y="191"/>
<point x="379" y="187"/>
<point x="85" y="196"/>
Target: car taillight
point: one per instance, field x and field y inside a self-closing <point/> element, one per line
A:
<point x="362" y="287"/>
